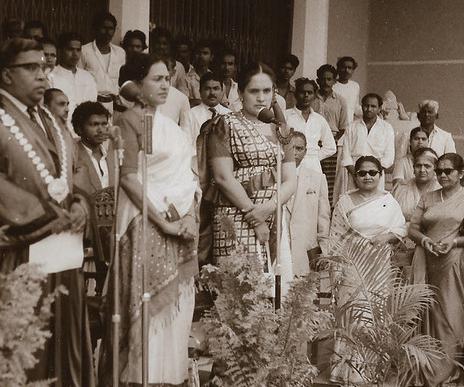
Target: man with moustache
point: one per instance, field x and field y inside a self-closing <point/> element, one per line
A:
<point x="369" y="136"/>
<point x="37" y="199"/>
<point x="58" y="104"/>
<point x="211" y="95"/>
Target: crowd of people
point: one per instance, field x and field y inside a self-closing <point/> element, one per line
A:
<point x="62" y="106"/>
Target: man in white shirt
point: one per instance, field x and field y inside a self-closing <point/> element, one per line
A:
<point x="439" y="140"/>
<point x="77" y="84"/>
<point x="348" y="88"/>
<point x="302" y="118"/>
<point x="230" y="96"/>
<point x="369" y="136"/>
<point x="104" y="59"/>
<point x="177" y="106"/>
<point x="211" y="94"/>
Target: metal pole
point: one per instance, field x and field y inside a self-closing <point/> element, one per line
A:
<point x="278" y="285"/>
<point x="116" y="318"/>
<point x="146" y="149"/>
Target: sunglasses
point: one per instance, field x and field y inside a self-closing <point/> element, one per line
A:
<point x="371" y="172"/>
<point x="446" y="171"/>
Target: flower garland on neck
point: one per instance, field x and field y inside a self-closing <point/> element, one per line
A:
<point x="57" y="188"/>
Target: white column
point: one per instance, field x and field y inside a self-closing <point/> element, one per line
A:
<point x="310" y="35"/>
<point x="131" y="15"/>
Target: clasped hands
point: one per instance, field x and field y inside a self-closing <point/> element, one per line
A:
<point x="256" y="216"/>
<point x="437" y="248"/>
<point x="185" y="228"/>
<point x="73" y="220"/>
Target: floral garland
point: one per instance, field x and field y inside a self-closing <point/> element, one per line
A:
<point x="57" y="187"/>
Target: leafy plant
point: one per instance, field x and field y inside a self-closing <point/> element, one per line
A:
<point x="378" y="315"/>
<point x="24" y="315"/>
<point x="257" y="345"/>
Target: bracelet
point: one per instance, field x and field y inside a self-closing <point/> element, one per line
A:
<point x="193" y="217"/>
<point x="455" y="242"/>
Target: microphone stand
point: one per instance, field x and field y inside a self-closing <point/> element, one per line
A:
<point x="116" y="318"/>
<point x="265" y="115"/>
<point x="147" y="148"/>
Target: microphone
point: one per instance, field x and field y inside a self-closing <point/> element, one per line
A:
<point x="267" y="116"/>
<point x="131" y="92"/>
<point x="118" y="142"/>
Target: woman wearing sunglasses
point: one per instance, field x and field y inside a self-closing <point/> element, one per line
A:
<point x="436" y="229"/>
<point x="371" y="213"/>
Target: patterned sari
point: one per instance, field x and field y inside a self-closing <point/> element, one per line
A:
<point x="439" y="219"/>
<point x="254" y="157"/>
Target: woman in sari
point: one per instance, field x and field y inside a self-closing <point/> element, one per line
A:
<point x="404" y="167"/>
<point x="435" y="227"/>
<point x="367" y="213"/>
<point x="424" y="180"/>
<point x="240" y="154"/>
<point x="170" y="262"/>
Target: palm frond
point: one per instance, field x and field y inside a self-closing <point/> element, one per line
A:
<point x="406" y="303"/>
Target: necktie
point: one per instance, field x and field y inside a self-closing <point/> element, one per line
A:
<point x="32" y="116"/>
<point x="213" y="111"/>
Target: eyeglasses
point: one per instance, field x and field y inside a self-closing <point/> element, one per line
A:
<point x="32" y="67"/>
<point x="446" y="171"/>
<point x="371" y="172"/>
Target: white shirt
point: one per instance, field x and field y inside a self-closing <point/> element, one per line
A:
<point x="199" y="115"/>
<point x="379" y="142"/>
<point x="441" y="141"/>
<point x="315" y="129"/>
<point x="232" y="101"/>
<point x="106" y="75"/>
<point x="78" y="87"/>
<point x="179" y="80"/>
<point x="350" y="92"/>
<point x="177" y="108"/>
<point x="101" y="167"/>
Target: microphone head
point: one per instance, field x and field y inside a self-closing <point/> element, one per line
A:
<point x="115" y="135"/>
<point x="266" y="115"/>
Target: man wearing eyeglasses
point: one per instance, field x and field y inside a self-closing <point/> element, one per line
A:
<point x="37" y="201"/>
<point x="369" y="136"/>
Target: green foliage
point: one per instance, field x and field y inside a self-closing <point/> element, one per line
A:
<point x="24" y="315"/>
<point x="378" y="315"/>
<point x="257" y="345"/>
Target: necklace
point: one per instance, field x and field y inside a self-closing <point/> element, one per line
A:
<point x="57" y="187"/>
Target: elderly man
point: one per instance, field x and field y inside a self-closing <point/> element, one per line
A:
<point x="38" y="202"/>
<point x="439" y="140"/>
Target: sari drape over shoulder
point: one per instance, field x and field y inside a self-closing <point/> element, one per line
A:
<point x="439" y="219"/>
<point x="170" y="264"/>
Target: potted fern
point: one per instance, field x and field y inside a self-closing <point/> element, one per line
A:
<point x="256" y="345"/>
<point x="24" y="314"/>
<point x="378" y="316"/>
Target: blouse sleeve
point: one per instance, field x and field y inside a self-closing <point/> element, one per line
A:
<point x="219" y="140"/>
<point x="131" y="145"/>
